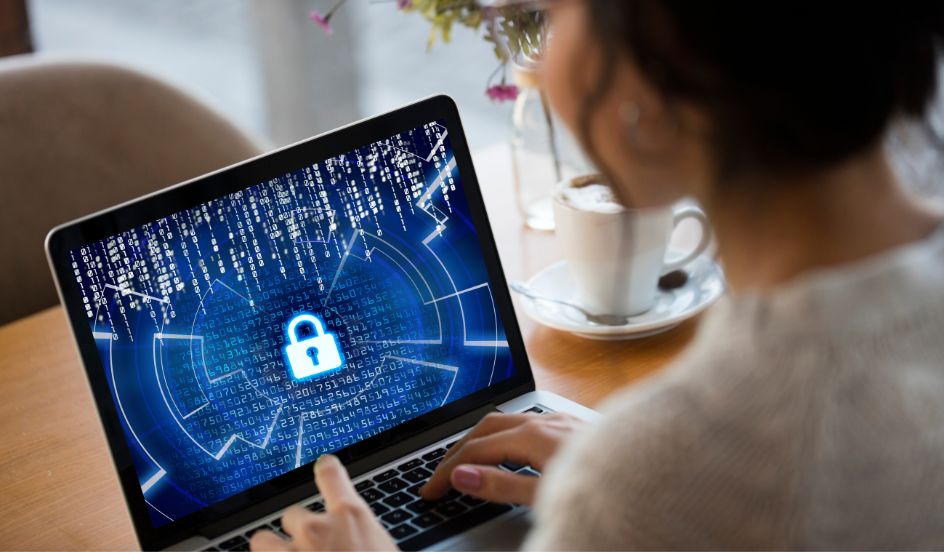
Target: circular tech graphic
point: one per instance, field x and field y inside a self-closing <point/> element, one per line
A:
<point x="247" y="336"/>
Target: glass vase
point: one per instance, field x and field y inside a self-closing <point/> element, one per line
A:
<point x="542" y="153"/>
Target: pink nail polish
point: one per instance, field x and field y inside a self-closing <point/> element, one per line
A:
<point x="466" y="477"/>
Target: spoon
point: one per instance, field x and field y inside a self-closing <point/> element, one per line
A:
<point x="599" y="319"/>
<point x="672" y="280"/>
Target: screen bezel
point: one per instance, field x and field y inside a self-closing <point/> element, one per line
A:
<point x="65" y="238"/>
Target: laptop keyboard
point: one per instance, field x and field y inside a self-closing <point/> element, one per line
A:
<point x="394" y="497"/>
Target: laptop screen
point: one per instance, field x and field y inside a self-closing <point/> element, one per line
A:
<point x="246" y="336"/>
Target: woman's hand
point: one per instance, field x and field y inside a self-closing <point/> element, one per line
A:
<point x="347" y="524"/>
<point x="470" y="466"/>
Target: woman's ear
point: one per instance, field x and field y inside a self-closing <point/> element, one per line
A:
<point x="663" y="141"/>
<point x="650" y="133"/>
<point x="648" y="124"/>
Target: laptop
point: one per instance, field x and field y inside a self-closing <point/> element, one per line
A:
<point x="342" y="294"/>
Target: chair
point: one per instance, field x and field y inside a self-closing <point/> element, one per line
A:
<point x="79" y="136"/>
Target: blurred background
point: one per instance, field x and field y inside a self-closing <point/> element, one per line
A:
<point x="85" y="136"/>
<point x="81" y="137"/>
<point x="267" y="67"/>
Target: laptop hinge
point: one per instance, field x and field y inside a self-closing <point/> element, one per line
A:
<point x="359" y="467"/>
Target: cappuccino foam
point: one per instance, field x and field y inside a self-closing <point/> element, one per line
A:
<point x="598" y="198"/>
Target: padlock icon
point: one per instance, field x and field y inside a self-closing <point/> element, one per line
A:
<point x="313" y="355"/>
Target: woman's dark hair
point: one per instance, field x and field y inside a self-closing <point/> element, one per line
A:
<point x="787" y="85"/>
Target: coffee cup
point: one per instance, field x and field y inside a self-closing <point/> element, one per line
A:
<point x="615" y="253"/>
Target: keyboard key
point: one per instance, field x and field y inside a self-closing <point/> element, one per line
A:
<point x="383" y="476"/>
<point x="451" y="509"/>
<point x="420" y="506"/>
<point x="316" y="506"/>
<point x="231" y="544"/>
<point x="402" y="531"/>
<point x="529" y="471"/>
<point x="449" y="445"/>
<point x="250" y="532"/>
<point x="363" y="485"/>
<point x="277" y="523"/>
<point x="378" y="508"/>
<point x="434" y="454"/>
<point x="393" y="485"/>
<point x="407" y="466"/>
<point x="241" y="547"/>
<point x="536" y="409"/>
<point x="452" y="527"/>
<point x="417" y="475"/>
<point x="427" y="520"/>
<point x="432" y="464"/>
<point x="471" y="501"/>
<point x="371" y="495"/>
<point x="397" y="500"/>
<point x="395" y="517"/>
<point x="415" y="489"/>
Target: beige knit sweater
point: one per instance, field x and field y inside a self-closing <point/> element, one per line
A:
<point x="807" y="418"/>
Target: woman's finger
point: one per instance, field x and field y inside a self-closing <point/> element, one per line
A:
<point x="515" y="445"/>
<point x="491" y="423"/>
<point x="494" y="484"/>
<point x="296" y="521"/>
<point x="334" y="483"/>
<point x="266" y="541"/>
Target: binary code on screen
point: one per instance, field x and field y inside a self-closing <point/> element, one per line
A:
<point x="190" y="314"/>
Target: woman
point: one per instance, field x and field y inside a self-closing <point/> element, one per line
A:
<point x="809" y="411"/>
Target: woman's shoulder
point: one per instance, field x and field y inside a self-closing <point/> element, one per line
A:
<point x="871" y="295"/>
<point x="771" y="353"/>
<point x="857" y="320"/>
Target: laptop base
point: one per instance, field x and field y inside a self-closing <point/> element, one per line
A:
<point x="505" y="531"/>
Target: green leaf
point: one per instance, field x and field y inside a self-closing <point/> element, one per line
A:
<point x="520" y="30"/>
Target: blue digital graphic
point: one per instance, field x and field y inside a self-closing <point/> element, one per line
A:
<point x="193" y="315"/>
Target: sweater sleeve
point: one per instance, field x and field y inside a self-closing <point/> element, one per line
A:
<point x="651" y="474"/>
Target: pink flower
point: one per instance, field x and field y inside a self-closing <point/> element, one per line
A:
<point x="404" y="4"/>
<point x="322" y="21"/>
<point x="502" y="92"/>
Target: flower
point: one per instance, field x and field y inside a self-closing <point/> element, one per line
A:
<point x="516" y="30"/>
<point x="322" y="21"/>
<point x="502" y="92"/>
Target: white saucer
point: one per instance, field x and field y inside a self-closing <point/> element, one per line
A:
<point x="704" y="286"/>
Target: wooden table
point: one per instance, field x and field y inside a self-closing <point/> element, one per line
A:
<point x="58" y="488"/>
